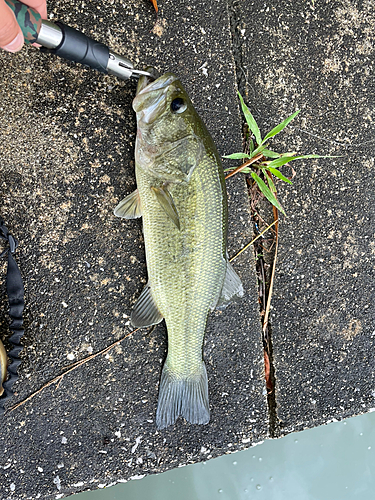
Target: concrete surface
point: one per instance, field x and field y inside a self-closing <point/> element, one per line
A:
<point x="319" y="57"/>
<point x="67" y="141"/>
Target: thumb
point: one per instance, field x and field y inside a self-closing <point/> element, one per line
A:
<point x="11" y="37"/>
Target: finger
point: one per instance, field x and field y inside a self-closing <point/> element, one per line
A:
<point x="11" y="37"/>
<point x="39" y="5"/>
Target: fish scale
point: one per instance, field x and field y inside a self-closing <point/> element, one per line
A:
<point x="186" y="268"/>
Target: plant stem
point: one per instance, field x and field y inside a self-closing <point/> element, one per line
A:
<point x="244" y="165"/>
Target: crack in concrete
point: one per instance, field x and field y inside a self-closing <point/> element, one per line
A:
<point x="264" y="254"/>
<point x="242" y="84"/>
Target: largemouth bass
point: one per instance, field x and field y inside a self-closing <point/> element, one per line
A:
<point x="182" y="198"/>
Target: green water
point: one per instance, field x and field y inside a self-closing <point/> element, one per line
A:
<point x="332" y="462"/>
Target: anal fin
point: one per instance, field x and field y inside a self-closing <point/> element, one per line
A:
<point x="129" y="207"/>
<point x="145" y="312"/>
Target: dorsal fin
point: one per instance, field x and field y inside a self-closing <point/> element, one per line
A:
<point x="232" y="289"/>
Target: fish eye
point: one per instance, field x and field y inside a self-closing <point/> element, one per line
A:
<point x="178" y="105"/>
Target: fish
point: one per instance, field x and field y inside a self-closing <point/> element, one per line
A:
<point x="182" y="199"/>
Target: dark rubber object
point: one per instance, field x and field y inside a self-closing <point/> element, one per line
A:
<point x="79" y="48"/>
<point x="15" y="292"/>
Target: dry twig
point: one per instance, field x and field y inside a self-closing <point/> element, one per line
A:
<point x="79" y="363"/>
<point x="244" y="165"/>
<point x="270" y="289"/>
<point x="252" y="241"/>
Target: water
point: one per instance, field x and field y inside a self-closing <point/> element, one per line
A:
<point x="333" y="462"/>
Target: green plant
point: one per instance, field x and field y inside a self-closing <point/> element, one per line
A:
<point x="262" y="163"/>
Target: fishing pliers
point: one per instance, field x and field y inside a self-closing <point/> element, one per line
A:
<point x="68" y="43"/>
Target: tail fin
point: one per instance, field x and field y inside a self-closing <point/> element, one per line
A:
<point x="186" y="397"/>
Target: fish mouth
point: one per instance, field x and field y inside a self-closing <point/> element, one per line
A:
<point x="160" y="83"/>
<point x="145" y="80"/>
<point x="150" y="100"/>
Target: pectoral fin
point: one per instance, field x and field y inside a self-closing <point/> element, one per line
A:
<point x="145" y="312"/>
<point x="167" y="204"/>
<point x="232" y="289"/>
<point x="129" y="207"/>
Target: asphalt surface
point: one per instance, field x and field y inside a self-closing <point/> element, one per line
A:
<point x="67" y="140"/>
<point x="67" y="159"/>
<point x="319" y="57"/>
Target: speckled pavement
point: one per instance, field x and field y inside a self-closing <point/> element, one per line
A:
<point x="318" y="56"/>
<point x="66" y="148"/>
<point x="67" y="158"/>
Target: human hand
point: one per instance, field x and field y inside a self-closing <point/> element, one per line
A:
<point x="11" y="37"/>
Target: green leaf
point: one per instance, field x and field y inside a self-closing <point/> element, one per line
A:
<point x="237" y="156"/>
<point x="279" y="162"/>
<point x="271" y="154"/>
<point x="289" y="153"/>
<point x="267" y="192"/>
<point x="240" y="156"/>
<point x="259" y="149"/>
<point x="250" y="121"/>
<point x="270" y="181"/>
<point x="279" y="175"/>
<point x="245" y="170"/>
<point x="251" y="146"/>
<point x="281" y="125"/>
